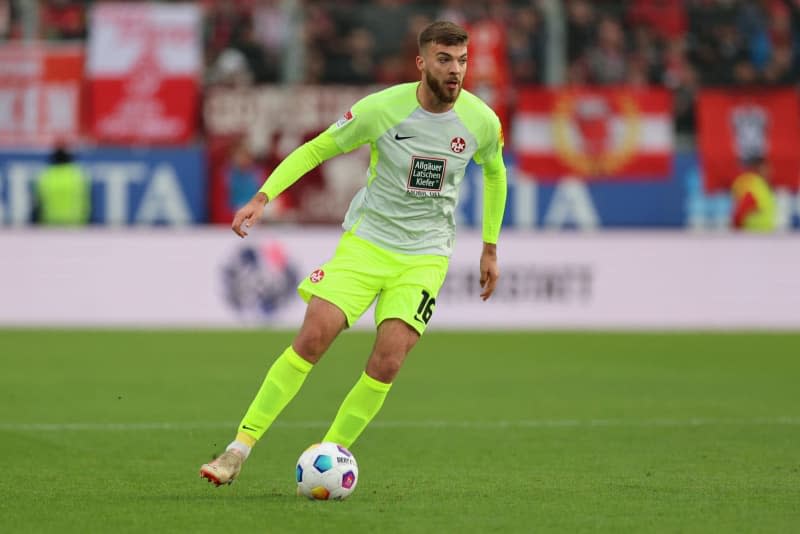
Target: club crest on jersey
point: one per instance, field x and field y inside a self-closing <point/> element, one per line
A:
<point x="426" y="176"/>
<point x="458" y="145"/>
<point x="316" y="276"/>
<point x="347" y="117"/>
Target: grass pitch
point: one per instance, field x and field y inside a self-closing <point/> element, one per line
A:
<point x="513" y="432"/>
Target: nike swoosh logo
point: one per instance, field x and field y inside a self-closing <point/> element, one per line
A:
<point x="402" y="137"/>
<point x="245" y="427"/>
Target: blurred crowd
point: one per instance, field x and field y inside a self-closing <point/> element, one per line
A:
<point x="678" y="44"/>
<point x="682" y="45"/>
<point x="356" y="41"/>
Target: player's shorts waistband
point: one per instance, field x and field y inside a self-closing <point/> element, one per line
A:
<point x="349" y="239"/>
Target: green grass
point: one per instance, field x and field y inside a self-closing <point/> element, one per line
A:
<point x="511" y="432"/>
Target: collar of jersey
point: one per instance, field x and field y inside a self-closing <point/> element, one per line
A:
<point x="430" y="114"/>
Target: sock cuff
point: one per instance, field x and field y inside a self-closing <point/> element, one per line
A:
<point x="241" y="447"/>
<point x="247" y="439"/>
<point x="375" y="385"/>
<point x="296" y="361"/>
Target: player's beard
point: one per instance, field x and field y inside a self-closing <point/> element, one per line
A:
<point x="442" y="93"/>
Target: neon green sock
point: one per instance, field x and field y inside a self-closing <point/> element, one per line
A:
<point x="281" y="384"/>
<point x="357" y="410"/>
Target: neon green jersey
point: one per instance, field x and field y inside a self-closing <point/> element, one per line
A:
<point x="63" y="194"/>
<point x="417" y="162"/>
<point x="763" y="218"/>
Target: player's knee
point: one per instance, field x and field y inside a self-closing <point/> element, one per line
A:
<point x="384" y="367"/>
<point x="311" y="343"/>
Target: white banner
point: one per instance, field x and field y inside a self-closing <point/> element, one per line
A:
<point x="210" y="278"/>
<point x="165" y="37"/>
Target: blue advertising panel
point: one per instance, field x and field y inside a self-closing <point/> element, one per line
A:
<point x="677" y="201"/>
<point x="150" y="186"/>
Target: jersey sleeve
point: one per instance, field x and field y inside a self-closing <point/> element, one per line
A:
<point x="490" y="157"/>
<point x="494" y="196"/>
<point x="300" y="161"/>
<point x="492" y="141"/>
<point x="356" y="127"/>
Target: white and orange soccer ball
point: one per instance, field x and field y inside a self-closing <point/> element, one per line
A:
<point x="326" y="471"/>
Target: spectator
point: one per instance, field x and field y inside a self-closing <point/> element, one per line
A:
<point x="580" y="30"/>
<point x="652" y="49"/>
<point x="272" y="28"/>
<point x="10" y="27"/>
<point x="221" y="23"/>
<point x="230" y="69"/>
<point x="354" y="63"/>
<point x="63" y="19"/>
<point x="62" y="192"/>
<point x="753" y="200"/>
<point x="745" y="73"/>
<point x="780" y="69"/>
<point x="259" y="64"/>
<point x="454" y="11"/>
<point x="718" y="45"/>
<point x="607" y="61"/>
<point x="387" y="21"/>
<point x="526" y="45"/>
<point x="244" y="177"/>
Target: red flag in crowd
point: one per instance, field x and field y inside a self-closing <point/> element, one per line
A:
<point x="737" y="126"/>
<point x="594" y="133"/>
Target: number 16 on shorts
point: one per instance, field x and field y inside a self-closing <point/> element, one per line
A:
<point x="425" y="308"/>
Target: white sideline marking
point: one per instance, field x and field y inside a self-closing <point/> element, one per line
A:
<point x="521" y="423"/>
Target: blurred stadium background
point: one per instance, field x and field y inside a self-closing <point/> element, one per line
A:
<point x="627" y="119"/>
<point x="626" y="124"/>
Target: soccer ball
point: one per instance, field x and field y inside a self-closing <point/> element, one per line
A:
<point x="326" y="471"/>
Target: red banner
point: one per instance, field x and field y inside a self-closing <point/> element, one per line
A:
<point x="40" y="94"/>
<point x="737" y="126"/>
<point x="594" y="133"/>
<point x="488" y="73"/>
<point x="144" y="66"/>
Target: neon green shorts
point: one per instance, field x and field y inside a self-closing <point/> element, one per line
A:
<point x="406" y="285"/>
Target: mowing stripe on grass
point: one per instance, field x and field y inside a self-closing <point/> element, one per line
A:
<point x="522" y="423"/>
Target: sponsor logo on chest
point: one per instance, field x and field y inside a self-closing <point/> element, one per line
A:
<point x="426" y="176"/>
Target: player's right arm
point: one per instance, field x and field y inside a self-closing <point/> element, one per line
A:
<point x="299" y="162"/>
<point x="348" y="133"/>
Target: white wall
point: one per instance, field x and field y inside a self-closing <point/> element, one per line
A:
<point x="169" y="278"/>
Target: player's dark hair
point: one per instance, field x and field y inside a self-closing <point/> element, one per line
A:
<point x="444" y="33"/>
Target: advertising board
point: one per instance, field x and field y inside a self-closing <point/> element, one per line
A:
<point x="147" y="186"/>
<point x="210" y="278"/>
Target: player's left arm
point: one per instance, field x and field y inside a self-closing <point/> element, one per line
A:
<point x="494" y="204"/>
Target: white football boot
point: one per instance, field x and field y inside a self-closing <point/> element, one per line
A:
<point x="224" y="469"/>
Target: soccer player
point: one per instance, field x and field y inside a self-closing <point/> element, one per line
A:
<point x="398" y="237"/>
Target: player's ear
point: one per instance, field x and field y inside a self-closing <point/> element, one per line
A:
<point x="420" y="63"/>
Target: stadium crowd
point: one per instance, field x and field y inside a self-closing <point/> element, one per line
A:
<point x="680" y="45"/>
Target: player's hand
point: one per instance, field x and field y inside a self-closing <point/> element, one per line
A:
<point x="249" y="214"/>
<point x="490" y="272"/>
